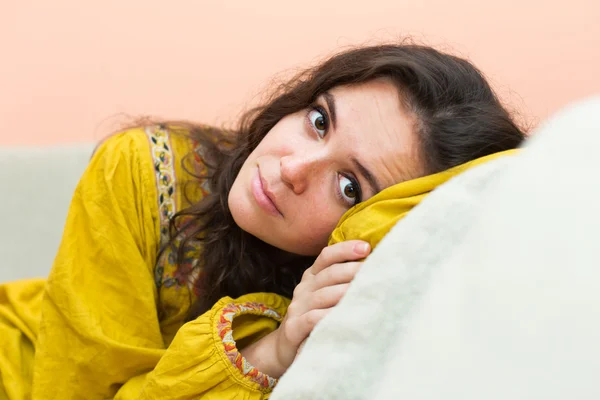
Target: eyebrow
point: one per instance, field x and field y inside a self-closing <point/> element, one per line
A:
<point x="330" y="100"/>
<point x="370" y="178"/>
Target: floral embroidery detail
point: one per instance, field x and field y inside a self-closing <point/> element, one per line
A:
<point x="188" y="270"/>
<point x="163" y="159"/>
<point x="200" y="169"/>
<point x="224" y="327"/>
<point x="168" y="273"/>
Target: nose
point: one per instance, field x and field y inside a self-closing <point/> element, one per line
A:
<point x="298" y="170"/>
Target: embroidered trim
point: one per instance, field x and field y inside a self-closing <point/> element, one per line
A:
<point x="164" y="169"/>
<point x="224" y="327"/>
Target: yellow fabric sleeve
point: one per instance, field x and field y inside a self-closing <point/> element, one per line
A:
<point x="203" y="361"/>
<point x="20" y="303"/>
<point x="99" y="335"/>
<point x="99" y="325"/>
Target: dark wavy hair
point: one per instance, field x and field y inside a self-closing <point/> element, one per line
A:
<point x="458" y="118"/>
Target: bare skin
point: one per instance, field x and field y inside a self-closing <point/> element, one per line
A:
<point x="323" y="285"/>
<point x="312" y="166"/>
<point x="305" y="174"/>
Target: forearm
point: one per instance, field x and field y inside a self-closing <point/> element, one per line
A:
<point x="263" y="356"/>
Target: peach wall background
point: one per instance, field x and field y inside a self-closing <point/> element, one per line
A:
<point x="68" y="67"/>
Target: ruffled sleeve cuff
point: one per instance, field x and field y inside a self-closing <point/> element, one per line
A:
<point x="224" y="329"/>
<point x="204" y="358"/>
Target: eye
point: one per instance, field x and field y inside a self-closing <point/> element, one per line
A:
<point x="349" y="190"/>
<point x="319" y="120"/>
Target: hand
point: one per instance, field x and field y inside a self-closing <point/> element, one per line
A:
<point x="323" y="285"/>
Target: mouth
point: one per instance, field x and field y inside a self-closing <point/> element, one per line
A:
<point x="264" y="198"/>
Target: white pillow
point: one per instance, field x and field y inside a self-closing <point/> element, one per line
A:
<point x="489" y="289"/>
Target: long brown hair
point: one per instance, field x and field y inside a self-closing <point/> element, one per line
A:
<point x="458" y="118"/>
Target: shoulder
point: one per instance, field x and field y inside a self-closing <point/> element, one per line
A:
<point x="154" y="152"/>
<point x="127" y="143"/>
<point x="124" y="162"/>
<point x="154" y="155"/>
<point x="155" y="142"/>
<point x="120" y="158"/>
<point x="166" y="161"/>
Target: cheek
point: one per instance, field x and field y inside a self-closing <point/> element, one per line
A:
<point x="316" y="230"/>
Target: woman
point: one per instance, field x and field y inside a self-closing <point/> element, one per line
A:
<point x="161" y="252"/>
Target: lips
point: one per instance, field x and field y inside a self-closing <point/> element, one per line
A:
<point x="269" y="193"/>
<point x="263" y="196"/>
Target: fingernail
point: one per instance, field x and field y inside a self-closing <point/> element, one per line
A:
<point x="361" y="248"/>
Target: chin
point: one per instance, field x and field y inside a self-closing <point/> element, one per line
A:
<point x="274" y="238"/>
<point x="246" y="217"/>
<point x="295" y="247"/>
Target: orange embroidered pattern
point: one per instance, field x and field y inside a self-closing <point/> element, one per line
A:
<point x="224" y="326"/>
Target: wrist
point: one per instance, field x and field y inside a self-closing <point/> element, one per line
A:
<point x="262" y="355"/>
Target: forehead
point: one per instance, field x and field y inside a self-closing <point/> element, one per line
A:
<point x="373" y="126"/>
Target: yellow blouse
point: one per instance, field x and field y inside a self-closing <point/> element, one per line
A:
<point x="109" y="320"/>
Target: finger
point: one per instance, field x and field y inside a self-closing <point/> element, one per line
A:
<point x="328" y="296"/>
<point x="350" y="250"/>
<point x="301" y="327"/>
<point x="336" y="274"/>
<point x="301" y="347"/>
<point x="313" y="317"/>
<point x="306" y="301"/>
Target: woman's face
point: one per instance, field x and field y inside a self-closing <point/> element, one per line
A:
<point x="316" y="164"/>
